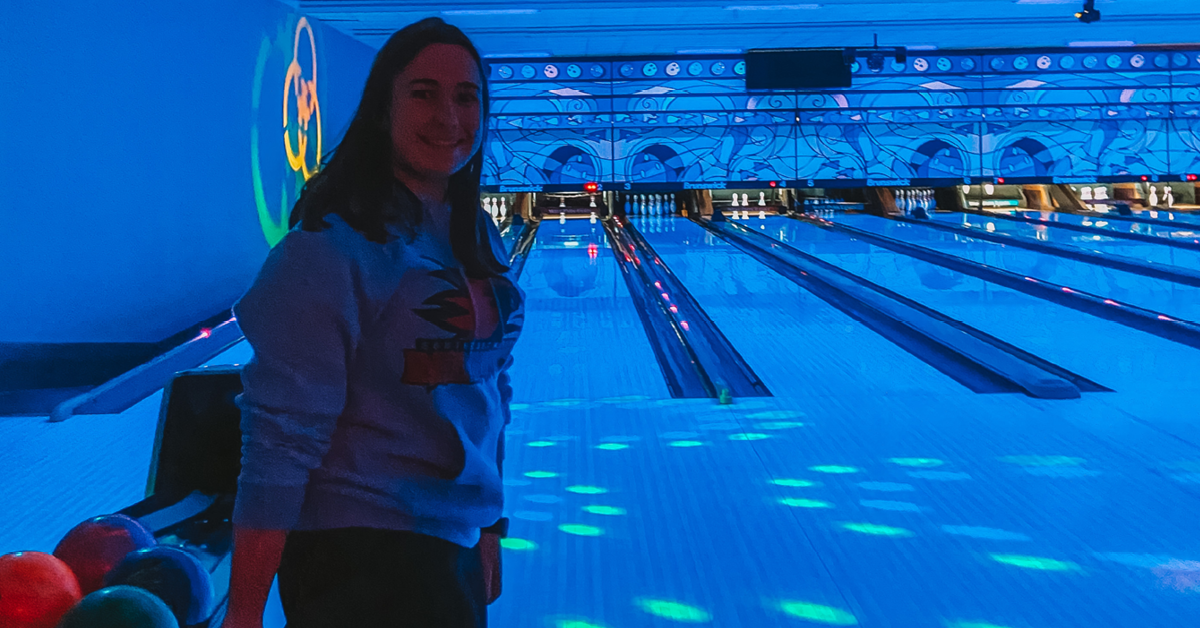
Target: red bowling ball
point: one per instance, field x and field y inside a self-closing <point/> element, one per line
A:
<point x="92" y="548"/>
<point x="36" y="589"/>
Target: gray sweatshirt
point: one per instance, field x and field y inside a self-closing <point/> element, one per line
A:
<point x="378" y="392"/>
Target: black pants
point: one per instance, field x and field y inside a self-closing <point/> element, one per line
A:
<point x="368" y="578"/>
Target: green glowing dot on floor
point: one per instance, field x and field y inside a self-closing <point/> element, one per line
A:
<point x="819" y="614"/>
<point x="604" y="510"/>
<point x="1035" y="562"/>
<point x="580" y="529"/>
<point x="749" y="436"/>
<point x="1043" y="461"/>
<point x="925" y="463"/>
<point x="612" y="446"/>
<point x="573" y="623"/>
<point x="541" y="474"/>
<point x="805" y="503"/>
<point x="518" y="544"/>
<point x="675" y="611"/>
<point x="833" y="468"/>
<point x="541" y="443"/>
<point x="876" y="530"/>
<point x="587" y="490"/>
<point x="973" y="624"/>
<point x="794" y="483"/>
<point x="686" y="443"/>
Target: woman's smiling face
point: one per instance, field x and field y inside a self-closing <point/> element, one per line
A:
<point x="436" y="112"/>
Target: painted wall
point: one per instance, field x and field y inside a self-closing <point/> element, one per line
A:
<point x="144" y="169"/>
<point x="1114" y="114"/>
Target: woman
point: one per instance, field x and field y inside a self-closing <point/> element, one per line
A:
<point x="382" y="327"/>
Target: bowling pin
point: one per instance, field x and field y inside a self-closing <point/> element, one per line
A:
<point x="593" y="202"/>
<point x="1169" y="196"/>
<point x="562" y="218"/>
<point x="503" y="209"/>
<point x="762" y="214"/>
<point x="745" y="213"/>
<point x="745" y="202"/>
<point x="1100" y="194"/>
<point x="562" y="202"/>
<point x="762" y="199"/>
<point x="733" y="202"/>
<point x="1153" y="196"/>
<point x="628" y="207"/>
<point x="989" y="189"/>
<point x="1086" y="194"/>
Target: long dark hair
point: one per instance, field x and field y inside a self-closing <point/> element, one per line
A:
<point x="356" y="180"/>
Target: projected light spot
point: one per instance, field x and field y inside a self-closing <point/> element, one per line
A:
<point x="541" y="443"/>
<point x="925" y="463"/>
<point x="805" y="503"/>
<point x="991" y="534"/>
<point x="749" y="436"/>
<point x="941" y="476"/>
<point x="579" y="529"/>
<point x="973" y="624"/>
<point x="587" y="490"/>
<point x="880" y="504"/>
<point x="674" y="611"/>
<point x="1035" y="562"/>
<point x="776" y="414"/>
<point x="779" y="425"/>
<point x="624" y="399"/>
<point x="532" y="515"/>
<point x="833" y="469"/>
<point x="610" y="511"/>
<point x="1043" y="461"/>
<point x="876" y="530"/>
<point x="541" y="474"/>
<point x="612" y="446"/>
<point x="817" y="613"/>
<point x="794" y="483"/>
<point x="518" y="544"/>
<point x="515" y="407"/>
<point x="575" y="624"/>
<point x="564" y="403"/>
<point x="543" y="499"/>
<point x="887" y="487"/>
<point x="687" y="443"/>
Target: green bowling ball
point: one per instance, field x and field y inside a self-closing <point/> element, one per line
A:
<point x="120" y="607"/>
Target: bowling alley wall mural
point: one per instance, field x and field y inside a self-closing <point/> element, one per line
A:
<point x="1054" y="115"/>
<point x="286" y="134"/>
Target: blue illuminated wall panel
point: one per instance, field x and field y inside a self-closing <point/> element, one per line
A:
<point x="1053" y="114"/>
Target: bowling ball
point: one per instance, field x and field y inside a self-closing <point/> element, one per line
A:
<point x="95" y="546"/>
<point x="119" y="607"/>
<point x="171" y="573"/>
<point x="35" y="590"/>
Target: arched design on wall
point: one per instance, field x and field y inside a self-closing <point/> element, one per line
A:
<point x="656" y="162"/>
<point x="570" y="164"/>
<point x="938" y="158"/>
<point x="1026" y="157"/>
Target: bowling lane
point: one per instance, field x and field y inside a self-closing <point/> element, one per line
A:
<point x="1108" y="353"/>
<point x="584" y="338"/>
<point x="794" y="341"/>
<point x="1160" y="295"/>
<point x="1182" y="232"/>
<point x="1116" y="246"/>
